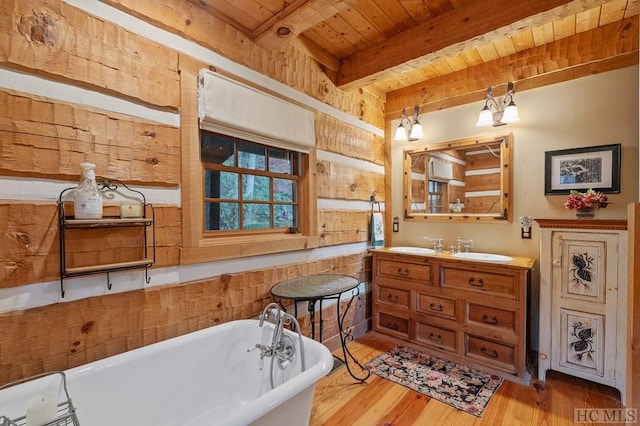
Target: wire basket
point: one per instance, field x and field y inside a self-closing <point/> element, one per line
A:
<point x="66" y="412"/>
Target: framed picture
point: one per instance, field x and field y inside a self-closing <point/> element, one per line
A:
<point x="596" y="167"/>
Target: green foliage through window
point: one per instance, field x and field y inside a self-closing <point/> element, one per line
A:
<point x="248" y="186"/>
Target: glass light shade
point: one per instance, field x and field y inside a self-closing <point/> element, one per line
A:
<point x="510" y="113"/>
<point x="416" y="131"/>
<point x="401" y="133"/>
<point x="485" y="118"/>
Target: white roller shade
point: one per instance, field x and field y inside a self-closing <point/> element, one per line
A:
<point x="229" y="107"/>
<point x="440" y="170"/>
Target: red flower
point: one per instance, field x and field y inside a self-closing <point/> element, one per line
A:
<point x="588" y="199"/>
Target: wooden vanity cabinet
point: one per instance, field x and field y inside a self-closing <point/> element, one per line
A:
<point x="397" y="280"/>
<point x="470" y="312"/>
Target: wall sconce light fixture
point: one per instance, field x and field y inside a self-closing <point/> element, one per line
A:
<point x="499" y="112"/>
<point x="408" y="130"/>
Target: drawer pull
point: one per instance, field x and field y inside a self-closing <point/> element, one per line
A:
<point x="479" y="283"/>
<point x="489" y="320"/>
<point x="404" y="272"/>
<point x="435" y="338"/>
<point x="392" y="325"/>
<point x="435" y="307"/>
<point x="392" y="298"/>
<point x="492" y="354"/>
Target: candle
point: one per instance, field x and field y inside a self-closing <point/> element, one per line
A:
<point x="128" y="210"/>
<point x="41" y="410"/>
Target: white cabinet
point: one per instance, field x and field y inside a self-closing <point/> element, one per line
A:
<point x="583" y="300"/>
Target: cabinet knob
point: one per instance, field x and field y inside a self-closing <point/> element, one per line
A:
<point x="478" y="283"/>
<point x="404" y="272"/>
<point x="489" y="319"/>
<point x="435" y="337"/>
<point x="490" y="353"/>
<point x="435" y="307"/>
<point x="392" y="325"/>
<point x="392" y="298"/>
<point x="557" y="262"/>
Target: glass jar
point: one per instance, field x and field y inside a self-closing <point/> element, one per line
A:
<point x="87" y="199"/>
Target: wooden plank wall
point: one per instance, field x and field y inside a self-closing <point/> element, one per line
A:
<point x="483" y="182"/>
<point x="64" y="335"/>
<point x="46" y="138"/>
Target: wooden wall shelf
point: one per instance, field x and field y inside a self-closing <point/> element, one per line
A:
<point x="147" y="242"/>
<point x="618" y="225"/>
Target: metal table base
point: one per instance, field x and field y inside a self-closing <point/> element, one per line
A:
<point x="316" y="289"/>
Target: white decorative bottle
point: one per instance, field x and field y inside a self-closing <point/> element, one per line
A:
<point x="87" y="199"/>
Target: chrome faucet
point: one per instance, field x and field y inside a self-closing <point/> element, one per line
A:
<point x="438" y="243"/>
<point x="282" y="346"/>
<point x="466" y="244"/>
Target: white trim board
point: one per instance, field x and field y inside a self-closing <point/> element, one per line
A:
<point x="47" y="293"/>
<point x="348" y="161"/>
<point x="33" y="189"/>
<point x="35" y="85"/>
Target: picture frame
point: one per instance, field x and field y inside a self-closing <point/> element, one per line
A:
<point x="579" y="169"/>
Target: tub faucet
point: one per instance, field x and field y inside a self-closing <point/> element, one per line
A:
<point x="282" y="347"/>
<point x="466" y="244"/>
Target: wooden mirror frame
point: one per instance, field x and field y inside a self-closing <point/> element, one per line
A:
<point x="505" y="204"/>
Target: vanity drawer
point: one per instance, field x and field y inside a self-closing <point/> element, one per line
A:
<point x="394" y="296"/>
<point x="491" y="316"/>
<point x="439" y="306"/>
<point x="392" y="324"/>
<point x="485" y="350"/>
<point x="407" y="271"/>
<point x="438" y="337"/>
<point x="503" y="284"/>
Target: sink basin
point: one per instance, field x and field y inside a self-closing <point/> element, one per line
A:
<point x="412" y="250"/>
<point x="485" y="257"/>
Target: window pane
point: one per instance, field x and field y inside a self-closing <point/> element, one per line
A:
<point x="284" y="190"/>
<point x="256" y="216"/>
<point x="436" y="197"/>
<point x="252" y="156"/>
<point x="221" y="216"/>
<point x="280" y="161"/>
<point x="284" y="217"/>
<point x="220" y="185"/>
<point x="217" y="149"/>
<point x="255" y="188"/>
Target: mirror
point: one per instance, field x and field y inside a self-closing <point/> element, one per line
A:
<point x="463" y="180"/>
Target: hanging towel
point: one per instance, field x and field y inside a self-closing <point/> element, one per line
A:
<point x="377" y="230"/>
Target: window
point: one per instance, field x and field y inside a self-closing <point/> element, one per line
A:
<point x="243" y="193"/>
<point x="248" y="187"/>
<point x="436" y="196"/>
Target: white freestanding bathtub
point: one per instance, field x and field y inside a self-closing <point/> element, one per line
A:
<point x="202" y="378"/>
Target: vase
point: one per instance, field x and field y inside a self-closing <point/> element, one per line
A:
<point x="586" y="213"/>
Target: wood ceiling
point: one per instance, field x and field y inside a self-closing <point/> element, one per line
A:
<point x="386" y="45"/>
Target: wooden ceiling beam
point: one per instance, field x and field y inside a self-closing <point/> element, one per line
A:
<point x="601" y="49"/>
<point x="297" y="17"/>
<point x="467" y="26"/>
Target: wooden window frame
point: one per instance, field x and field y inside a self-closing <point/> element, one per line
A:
<point x="198" y="247"/>
<point x="296" y="160"/>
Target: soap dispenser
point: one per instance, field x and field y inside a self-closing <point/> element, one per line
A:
<point x="457" y="207"/>
<point x="87" y="199"/>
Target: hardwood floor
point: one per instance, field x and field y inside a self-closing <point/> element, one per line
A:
<point x="339" y="400"/>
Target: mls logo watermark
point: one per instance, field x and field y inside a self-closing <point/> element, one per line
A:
<point x="605" y="415"/>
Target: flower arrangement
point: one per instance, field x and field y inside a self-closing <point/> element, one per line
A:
<point x="589" y="199"/>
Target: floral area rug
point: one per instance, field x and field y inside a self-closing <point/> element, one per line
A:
<point x="461" y="387"/>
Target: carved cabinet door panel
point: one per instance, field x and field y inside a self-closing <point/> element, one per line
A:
<point x="584" y="304"/>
